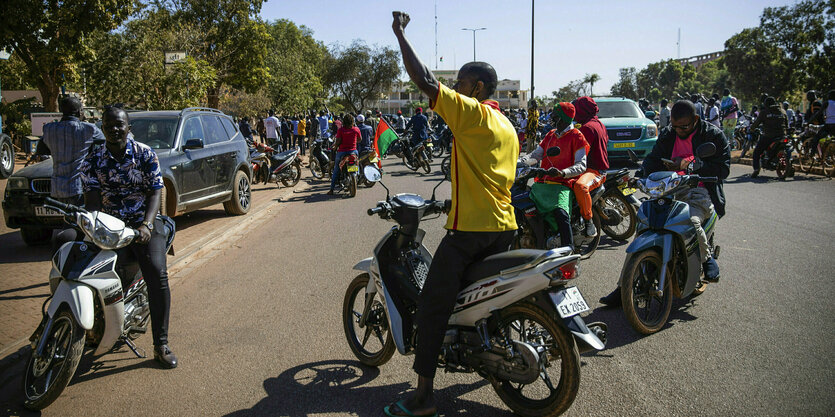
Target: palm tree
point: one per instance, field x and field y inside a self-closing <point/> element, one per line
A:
<point x="590" y="79"/>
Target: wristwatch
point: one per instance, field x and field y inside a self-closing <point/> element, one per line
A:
<point x="149" y="225"/>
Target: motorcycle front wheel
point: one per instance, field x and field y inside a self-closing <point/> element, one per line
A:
<point x="629" y="219"/>
<point x="372" y="344"/>
<point x="315" y="169"/>
<point x="438" y="150"/>
<point x="408" y="164"/>
<point x="293" y="174"/>
<point x="425" y="164"/>
<point x="446" y="167"/>
<point x="645" y="309"/>
<point x="47" y="376"/>
<point x="559" y="362"/>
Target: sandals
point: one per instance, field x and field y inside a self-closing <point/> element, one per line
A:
<point x="402" y="411"/>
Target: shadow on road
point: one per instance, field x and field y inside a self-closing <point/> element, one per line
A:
<point x="766" y="179"/>
<point x="340" y="387"/>
<point x="4" y="297"/>
<point x="15" y="251"/>
<point x="620" y="332"/>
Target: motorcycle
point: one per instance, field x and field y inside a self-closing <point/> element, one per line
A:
<point x="776" y="158"/>
<point x="618" y="206"/>
<point x="319" y="159"/>
<point x="286" y="168"/>
<point x="534" y="232"/>
<point x="367" y="158"/>
<point x="260" y="163"/>
<point x="516" y="322"/>
<point x="348" y="173"/>
<point x="663" y="260"/>
<point x="441" y="141"/>
<point x="87" y="302"/>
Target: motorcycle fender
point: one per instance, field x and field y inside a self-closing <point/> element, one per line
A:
<point x="364" y="265"/>
<point x="395" y="321"/>
<point x="650" y="240"/>
<point x="585" y="338"/>
<point x="78" y="297"/>
<point x="114" y="322"/>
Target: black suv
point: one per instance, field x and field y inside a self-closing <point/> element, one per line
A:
<point x="203" y="157"/>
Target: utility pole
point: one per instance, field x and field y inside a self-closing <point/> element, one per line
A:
<point x="532" y="31"/>
<point x="678" y="44"/>
<point x="474" y="31"/>
<point x="436" y="34"/>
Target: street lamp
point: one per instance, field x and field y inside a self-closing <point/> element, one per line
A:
<point x="474" y="31"/>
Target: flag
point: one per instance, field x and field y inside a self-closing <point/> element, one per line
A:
<point x="442" y="59"/>
<point x="383" y="138"/>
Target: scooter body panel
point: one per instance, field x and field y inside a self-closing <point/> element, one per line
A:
<point x="78" y="297"/>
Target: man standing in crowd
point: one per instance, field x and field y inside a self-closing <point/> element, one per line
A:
<point x="531" y="127"/>
<point x="324" y="132"/>
<point x="68" y="141"/>
<point x="728" y="109"/>
<point x="481" y="220"/>
<point x="712" y="113"/>
<point x="399" y="123"/>
<point x="664" y="115"/>
<point x="271" y="126"/>
<point x="301" y="129"/>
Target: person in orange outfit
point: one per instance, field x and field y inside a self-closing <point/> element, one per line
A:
<point x="597" y="162"/>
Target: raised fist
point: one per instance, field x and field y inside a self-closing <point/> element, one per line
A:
<point x="400" y="21"/>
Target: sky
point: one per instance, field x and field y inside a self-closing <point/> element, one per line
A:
<point x="571" y="39"/>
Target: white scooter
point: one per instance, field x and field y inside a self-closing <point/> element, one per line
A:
<point x="516" y="323"/>
<point x="87" y="302"/>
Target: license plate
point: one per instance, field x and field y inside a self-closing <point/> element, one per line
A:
<point x="627" y="190"/>
<point x="569" y="302"/>
<point x="625" y="145"/>
<point x="46" y="212"/>
<point x="430" y="145"/>
<point x="353" y="168"/>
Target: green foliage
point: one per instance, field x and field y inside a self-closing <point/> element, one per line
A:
<point x="49" y="37"/>
<point x="229" y="36"/>
<point x="758" y="65"/>
<point x="15" y="75"/>
<point x="627" y="84"/>
<point x="128" y="65"/>
<point x="358" y="74"/>
<point x="17" y="123"/>
<point x="591" y="79"/>
<point x="241" y="103"/>
<point x="296" y="63"/>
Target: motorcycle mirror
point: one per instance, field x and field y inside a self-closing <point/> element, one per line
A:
<point x="705" y="150"/>
<point x="553" y="151"/>
<point x="373" y="174"/>
<point x="632" y="156"/>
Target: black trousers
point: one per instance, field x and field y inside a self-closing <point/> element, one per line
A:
<point x="564" y="224"/>
<point x="437" y="299"/>
<point x="151" y="259"/>
<point x="762" y="145"/>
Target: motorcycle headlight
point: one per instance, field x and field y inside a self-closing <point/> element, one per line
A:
<point x="104" y="237"/>
<point x="87" y="226"/>
<point x="652" y="130"/>
<point x="18" y="183"/>
<point x="654" y="188"/>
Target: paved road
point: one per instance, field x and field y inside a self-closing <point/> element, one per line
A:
<point x="258" y="331"/>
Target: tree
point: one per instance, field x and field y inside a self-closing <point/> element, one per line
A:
<point x="127" y="65"/>
<point x="757" y="65"/>
<point x="296" y="64"/>
<point x="359" y="73"/>
<point x="230" y="37"/>
<point x="50" y="37"/>
<point x="241" y="103"/>
<point x="626" y="86"/>
<point x="569" y="92"/>
<point x="590" y="79"/>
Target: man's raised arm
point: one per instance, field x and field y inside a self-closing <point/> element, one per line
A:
<point x="418" y="72"/>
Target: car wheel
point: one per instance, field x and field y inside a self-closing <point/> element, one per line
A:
<point x="6" y="157"/>
<point x="35" y="237"/>
<point x="241" y="196"/>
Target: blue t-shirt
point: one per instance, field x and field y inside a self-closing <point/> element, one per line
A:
<point x="365" y="143"/>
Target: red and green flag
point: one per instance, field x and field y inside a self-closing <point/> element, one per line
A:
<point x="384" y="137"/>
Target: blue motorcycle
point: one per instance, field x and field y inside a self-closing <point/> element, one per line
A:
<point x="663" y="260"/>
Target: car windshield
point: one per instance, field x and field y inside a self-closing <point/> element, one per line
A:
<point x="612" y="109"/>
<point x="158" y="133"/>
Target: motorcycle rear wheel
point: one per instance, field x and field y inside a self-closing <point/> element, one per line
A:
<point x="294" y="175"/>
<point x="544" y="397"/>
<point x="408" y="164"/>
<point x="640" y="277"/>
<point x="47" y="377"/>
<point x="352" y="185"/>
<point x="376" y="323"/>
<point x="315" y="169"/>
<point x="446" y="167"/>
<point x="828" y="162"/>
<point x="626" y="228"/>
<point x="782" y="165"/>
<point x="438" y="150"/>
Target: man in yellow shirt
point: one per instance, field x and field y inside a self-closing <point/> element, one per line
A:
<point x="300" y="133"/>
<point x="481" y="220"/>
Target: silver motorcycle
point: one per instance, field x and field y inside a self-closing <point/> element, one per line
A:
<point x="94" y="299"/>
<point x="516" y="321"/>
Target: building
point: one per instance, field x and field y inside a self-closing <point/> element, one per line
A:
<point x="699" y="60"/>
<point x="508" y="93"/>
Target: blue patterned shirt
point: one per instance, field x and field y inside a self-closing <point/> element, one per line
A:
<point x="68" y="141"/>
<point x="125" y="184"/>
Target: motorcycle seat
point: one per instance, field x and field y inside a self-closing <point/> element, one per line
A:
<point x="494" y="264"/>
<point x="615" y="172"/>
<point x="284" y="156"/>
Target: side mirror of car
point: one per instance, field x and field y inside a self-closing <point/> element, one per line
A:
<point x="650" y="114"/>
<point x="553" y="151"/>
<point x="706" y="150"/>
<point x="194" y="143"/>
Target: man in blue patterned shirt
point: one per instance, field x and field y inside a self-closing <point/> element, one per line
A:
<point x="123" y="179"/>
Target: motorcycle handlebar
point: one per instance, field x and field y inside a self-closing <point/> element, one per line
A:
<point x="63" y="206"/>
<point x="375" y="210"/>
<point x="708" y="179"/>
